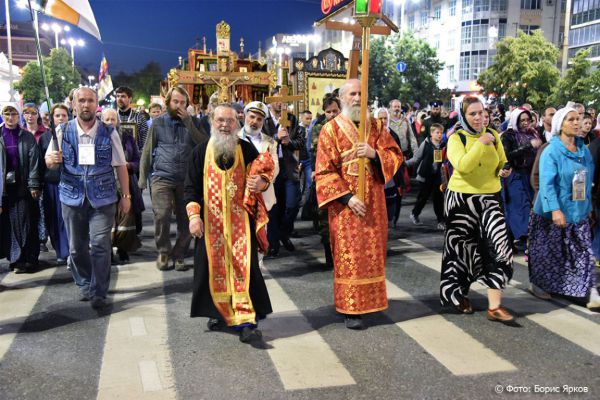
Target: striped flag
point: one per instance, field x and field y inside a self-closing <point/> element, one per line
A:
<point x="76" y="12"/>
<point x="103" y="68"/>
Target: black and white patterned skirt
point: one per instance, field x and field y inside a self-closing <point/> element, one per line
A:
<point x="476" y="246"/>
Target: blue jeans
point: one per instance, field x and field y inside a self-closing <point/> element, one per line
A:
<point x="54" y="221"/>
<point x="89" y="232"/>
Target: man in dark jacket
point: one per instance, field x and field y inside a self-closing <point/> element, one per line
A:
<point x="287" y="185"/>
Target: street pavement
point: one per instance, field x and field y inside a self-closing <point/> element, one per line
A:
<point x="146" y="347"/>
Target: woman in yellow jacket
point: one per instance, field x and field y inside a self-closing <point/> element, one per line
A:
<point x="476" y="246"/>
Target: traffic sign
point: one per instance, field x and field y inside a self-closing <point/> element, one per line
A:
<point x="401" y="66"/>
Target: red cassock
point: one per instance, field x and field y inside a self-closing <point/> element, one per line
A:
<point x="358" y="243"/>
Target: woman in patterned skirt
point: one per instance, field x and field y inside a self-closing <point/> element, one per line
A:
<point x="560" y="256"/>
<point x="476" y="246"/>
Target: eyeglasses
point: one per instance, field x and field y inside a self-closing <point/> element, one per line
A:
<point x="225" y="121"/>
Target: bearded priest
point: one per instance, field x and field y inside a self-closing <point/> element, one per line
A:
<point x="223" y="192"/>
<point x="358" y="229"/>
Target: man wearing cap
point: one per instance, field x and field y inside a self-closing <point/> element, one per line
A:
<point x="171" y="138"/>
<point x="19" y="164"/>
<point x="434" y="118"/>
<point x="255" y="114"/>
<point x="90" y="154"/>
<point x="128" y="115"/>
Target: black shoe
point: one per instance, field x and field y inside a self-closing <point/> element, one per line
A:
<point x="249" y="334"/>
<point x="328" y="255"/>
<point x="123" y="256"/>
<point x="60" y="262"/>
<point x="272" y="253"/>
<point x="215" y="324"/>
<point x="99" y="303"/>
<point x="354" y="322"/>
<point x="21" y="269"/>
<point x="287" y="243"/>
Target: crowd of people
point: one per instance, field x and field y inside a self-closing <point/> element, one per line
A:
<point x="235" y="180"/>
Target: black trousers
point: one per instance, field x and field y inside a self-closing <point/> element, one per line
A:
<point x="431" y="187"/>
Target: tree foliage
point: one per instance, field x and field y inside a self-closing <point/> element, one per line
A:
<point x="574" y="85"/>
<point x="417" y="83"/>
<point x="144" y="82"/>
<point x="524" y="69"/>
<point x="60" y="76"/>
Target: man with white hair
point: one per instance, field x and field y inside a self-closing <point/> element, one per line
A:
<point x="227" y="216"/>
<point x="358" y="229"/>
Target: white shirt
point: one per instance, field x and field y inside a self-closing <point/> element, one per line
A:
<point x="118" y="155"/>
<point x="548" y="135"/>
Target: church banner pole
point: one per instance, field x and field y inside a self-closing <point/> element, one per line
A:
<point x="34" y="20"/>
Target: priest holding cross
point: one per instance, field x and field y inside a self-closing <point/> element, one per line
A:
<point x="283" y="127"/>
<point x="356" y="155"/>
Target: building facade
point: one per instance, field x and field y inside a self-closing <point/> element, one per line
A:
<point x="584" y="29"/>
<point x="465" y="32"/>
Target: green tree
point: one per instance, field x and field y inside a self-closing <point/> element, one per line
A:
<point x="417" y="83"/>
<point x="60" y="76"/>
<point x="575" y="84"/>
<point x="524" y="69"/>
<point x="144" y="82"/>
<point x="590" y="96"/>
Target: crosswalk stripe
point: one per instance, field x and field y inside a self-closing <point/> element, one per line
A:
<point x="136" y="361"/>
<point x="465" y="355"/>
<point x="17" y="301"/>
<point x="431" y="259"/>
<point x="303" y="361"/>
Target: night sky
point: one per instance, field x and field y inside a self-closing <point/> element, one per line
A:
<point x="135" y="32"/>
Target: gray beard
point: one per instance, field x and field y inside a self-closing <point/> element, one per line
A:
<point x="224" y="145"/>
<point x="351" y="112"/>
<point x="250" y="131"/>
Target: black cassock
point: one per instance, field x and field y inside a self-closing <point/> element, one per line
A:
<point x="202" y="303"/>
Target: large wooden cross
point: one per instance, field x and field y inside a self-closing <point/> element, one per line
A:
<point x="284" y="98"/>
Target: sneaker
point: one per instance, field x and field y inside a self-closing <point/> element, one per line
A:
<point x="249" y="334"/>
<point x="123" y="256"/>
<point x="441" y="226"/>
<point x="539" y="292"/>
<point x="61" y="261"/>
<point x="354" y="322"/>
<point x="499" y="314"/>
<point x="415" y="219"/>
<point x="180" y="265"/>
<point x="594" y="301"/>
<point x="162" y="262"/>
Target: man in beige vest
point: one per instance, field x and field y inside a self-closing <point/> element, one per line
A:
<point x="254" y="117"/>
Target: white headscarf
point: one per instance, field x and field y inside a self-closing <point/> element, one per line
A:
<point x="384" y="110"/>
<point x="558" y="119"/>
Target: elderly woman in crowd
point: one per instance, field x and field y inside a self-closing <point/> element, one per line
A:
<point x="521" y="143"/>
<point x="20" y="156"/>
<point x="55" y="225"/>
<point x="126" y="226"/>
<point x="560" y="255"/>
<point x="476" y="246"/>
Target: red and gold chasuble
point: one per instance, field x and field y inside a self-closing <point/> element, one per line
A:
<point x="358" y="243"/>
<point x="227" y="209"/>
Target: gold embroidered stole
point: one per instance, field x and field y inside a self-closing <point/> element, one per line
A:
<point x="227" y="238"/>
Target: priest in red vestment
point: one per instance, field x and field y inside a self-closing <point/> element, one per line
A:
<point x="228" y="216"/>
<point x="358" y="230"/>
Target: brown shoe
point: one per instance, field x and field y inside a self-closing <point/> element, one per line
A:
<point x="464" y="307"/>
<point x="499" y="314"/>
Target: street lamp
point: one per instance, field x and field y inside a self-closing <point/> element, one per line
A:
<point x="56" y="28"/>
<point x="72" y="43"/>
<point x="91" y="79"/>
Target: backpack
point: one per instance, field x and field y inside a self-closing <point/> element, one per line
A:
<point x="447" y="169"/>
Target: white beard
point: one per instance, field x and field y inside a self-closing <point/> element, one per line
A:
<point x="351" y="112"/>
<point x="224" y="145"/>
<point x="252" y="132"/>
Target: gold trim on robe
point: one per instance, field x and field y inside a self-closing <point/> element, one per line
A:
<point x="358" y="244"/>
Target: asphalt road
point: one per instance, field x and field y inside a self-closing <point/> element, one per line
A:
<point x="146" y="347"/>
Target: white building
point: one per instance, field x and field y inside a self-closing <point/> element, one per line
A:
<point x="465" y="31"/>
<point x="5" y="81"/>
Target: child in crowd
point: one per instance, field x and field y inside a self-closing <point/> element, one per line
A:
<point x="428" y="160"/>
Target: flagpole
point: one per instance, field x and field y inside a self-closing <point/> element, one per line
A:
<point x="34" y="19"/>
<point x="10" y="53"/>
